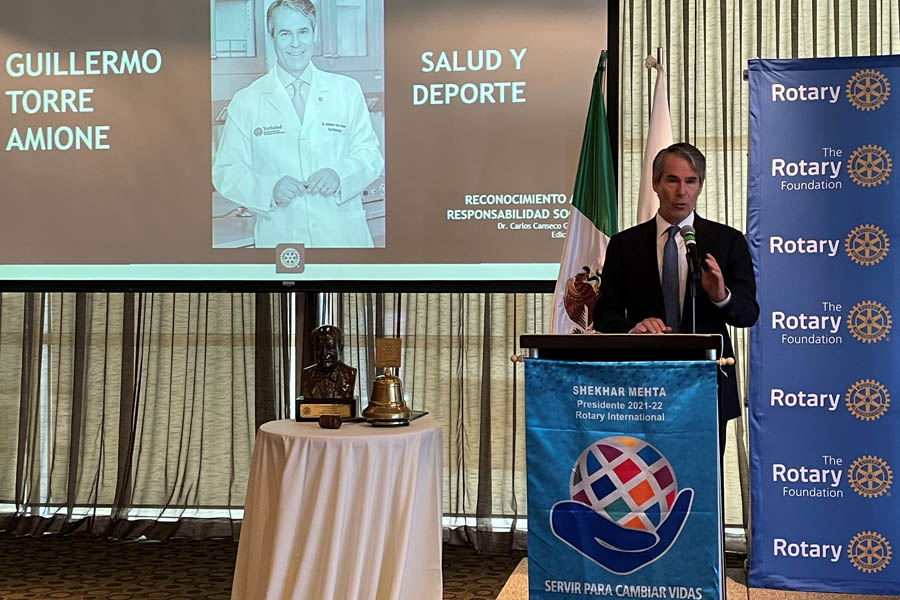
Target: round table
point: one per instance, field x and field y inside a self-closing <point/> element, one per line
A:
<point x="353" y="512"/>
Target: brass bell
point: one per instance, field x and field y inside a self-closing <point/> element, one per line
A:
<point x="387" y="406"/>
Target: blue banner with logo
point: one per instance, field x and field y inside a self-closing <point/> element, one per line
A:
<point x="823" y="221"/>
<point x="623" y="495"/>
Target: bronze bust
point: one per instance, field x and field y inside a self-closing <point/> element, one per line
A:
<point x="329" y="378"/>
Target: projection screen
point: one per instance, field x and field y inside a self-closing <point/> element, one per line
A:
<point x="344" y="140"/>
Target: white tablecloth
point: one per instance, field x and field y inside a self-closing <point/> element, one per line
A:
<point x="352" y="513"/>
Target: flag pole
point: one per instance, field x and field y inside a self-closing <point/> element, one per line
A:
<point x="659" y="136"/>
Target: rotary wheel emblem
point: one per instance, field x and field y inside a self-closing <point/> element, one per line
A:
<point x="868" y="89"/>
<point x="867" y="245"/>
<point x="869" y="551"/>
<point x="867" y="400"/>
<point x="870" y="476"/>
<point x="869" y="165"/>
<point x="290" y="258"/>
<point x="869" y="322"/>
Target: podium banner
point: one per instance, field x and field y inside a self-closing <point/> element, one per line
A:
<point x="823" y="222"/>
<point x="623" y="495"/>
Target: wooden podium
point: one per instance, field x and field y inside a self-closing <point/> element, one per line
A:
<point x="606" y="347"/>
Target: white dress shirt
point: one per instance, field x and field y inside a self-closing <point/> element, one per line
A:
<point x="662" y="235"/>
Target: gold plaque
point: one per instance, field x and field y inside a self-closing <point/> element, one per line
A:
<point x="387" y="352"/>
<point x="310" y="409"/>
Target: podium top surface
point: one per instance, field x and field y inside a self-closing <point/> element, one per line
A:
<point x="692" y="345"/>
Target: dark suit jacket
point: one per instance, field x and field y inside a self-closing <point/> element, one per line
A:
<point x="630" y="290"/>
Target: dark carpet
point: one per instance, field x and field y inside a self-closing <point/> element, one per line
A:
<point x="75" y="568"/>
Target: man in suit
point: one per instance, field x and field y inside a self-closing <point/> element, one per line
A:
<point x="638" y="268"/>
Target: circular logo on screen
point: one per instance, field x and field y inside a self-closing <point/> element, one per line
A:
<point x="290" y="258"/>
<point x="867" y="400"/>
<point x="869" y="551"/>
<point x="626" y="480"/>
<point x="257" y="132"/>
<point x="869" y="165"/>
<point x="867" y="245"/>
<point x="869" y="322"/>
<point x="868" y="89"/>
<point x="870" y="476"/>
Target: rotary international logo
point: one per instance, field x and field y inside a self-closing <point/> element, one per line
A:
<point x="867" y="400"/>
<point x="869" y="165"/>
<point x="869" y="551"/>
<point x="869" y="321"/>
<point x="870" y="476"/>
<point x="867" y="245"/>
<point x="868" y="89"/>
<point x="290" y="258"/>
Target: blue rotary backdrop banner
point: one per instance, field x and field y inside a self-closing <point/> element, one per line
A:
<point x="623" y="496"/>
<point x="823" y="220"/>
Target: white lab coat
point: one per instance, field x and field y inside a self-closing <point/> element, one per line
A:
<point x="264" y="141"/>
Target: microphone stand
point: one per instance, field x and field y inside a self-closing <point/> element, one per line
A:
<point x="693" y="280"/>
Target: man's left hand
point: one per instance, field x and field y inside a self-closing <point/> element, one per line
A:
<point x="323" y="181"/>
<point x="712" y="280"/>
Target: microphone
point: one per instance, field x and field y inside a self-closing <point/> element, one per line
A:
<point x="690" y="246"/>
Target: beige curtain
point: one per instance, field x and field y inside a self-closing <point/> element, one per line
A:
<point x="705" y="46"/>
<point x="133" y="414"/>
<point x="456" y="365"/>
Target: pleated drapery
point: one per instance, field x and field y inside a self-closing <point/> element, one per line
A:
<point x="128" y="415"/>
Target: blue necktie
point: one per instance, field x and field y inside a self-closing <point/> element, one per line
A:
<point x="670" y="282"/>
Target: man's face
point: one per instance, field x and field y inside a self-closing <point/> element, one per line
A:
<point x="327" y="351"/>
<point x="677" y="189"/>
<point x="293" y="40"/>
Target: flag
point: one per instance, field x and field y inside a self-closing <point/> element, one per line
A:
<point x="592" y="221"/>
<point x="658" y="137"/>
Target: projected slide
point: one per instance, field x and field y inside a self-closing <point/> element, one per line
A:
<point x="361" y="139"/>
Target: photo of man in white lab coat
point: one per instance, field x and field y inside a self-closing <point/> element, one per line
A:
<point x="298" y="147"/>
